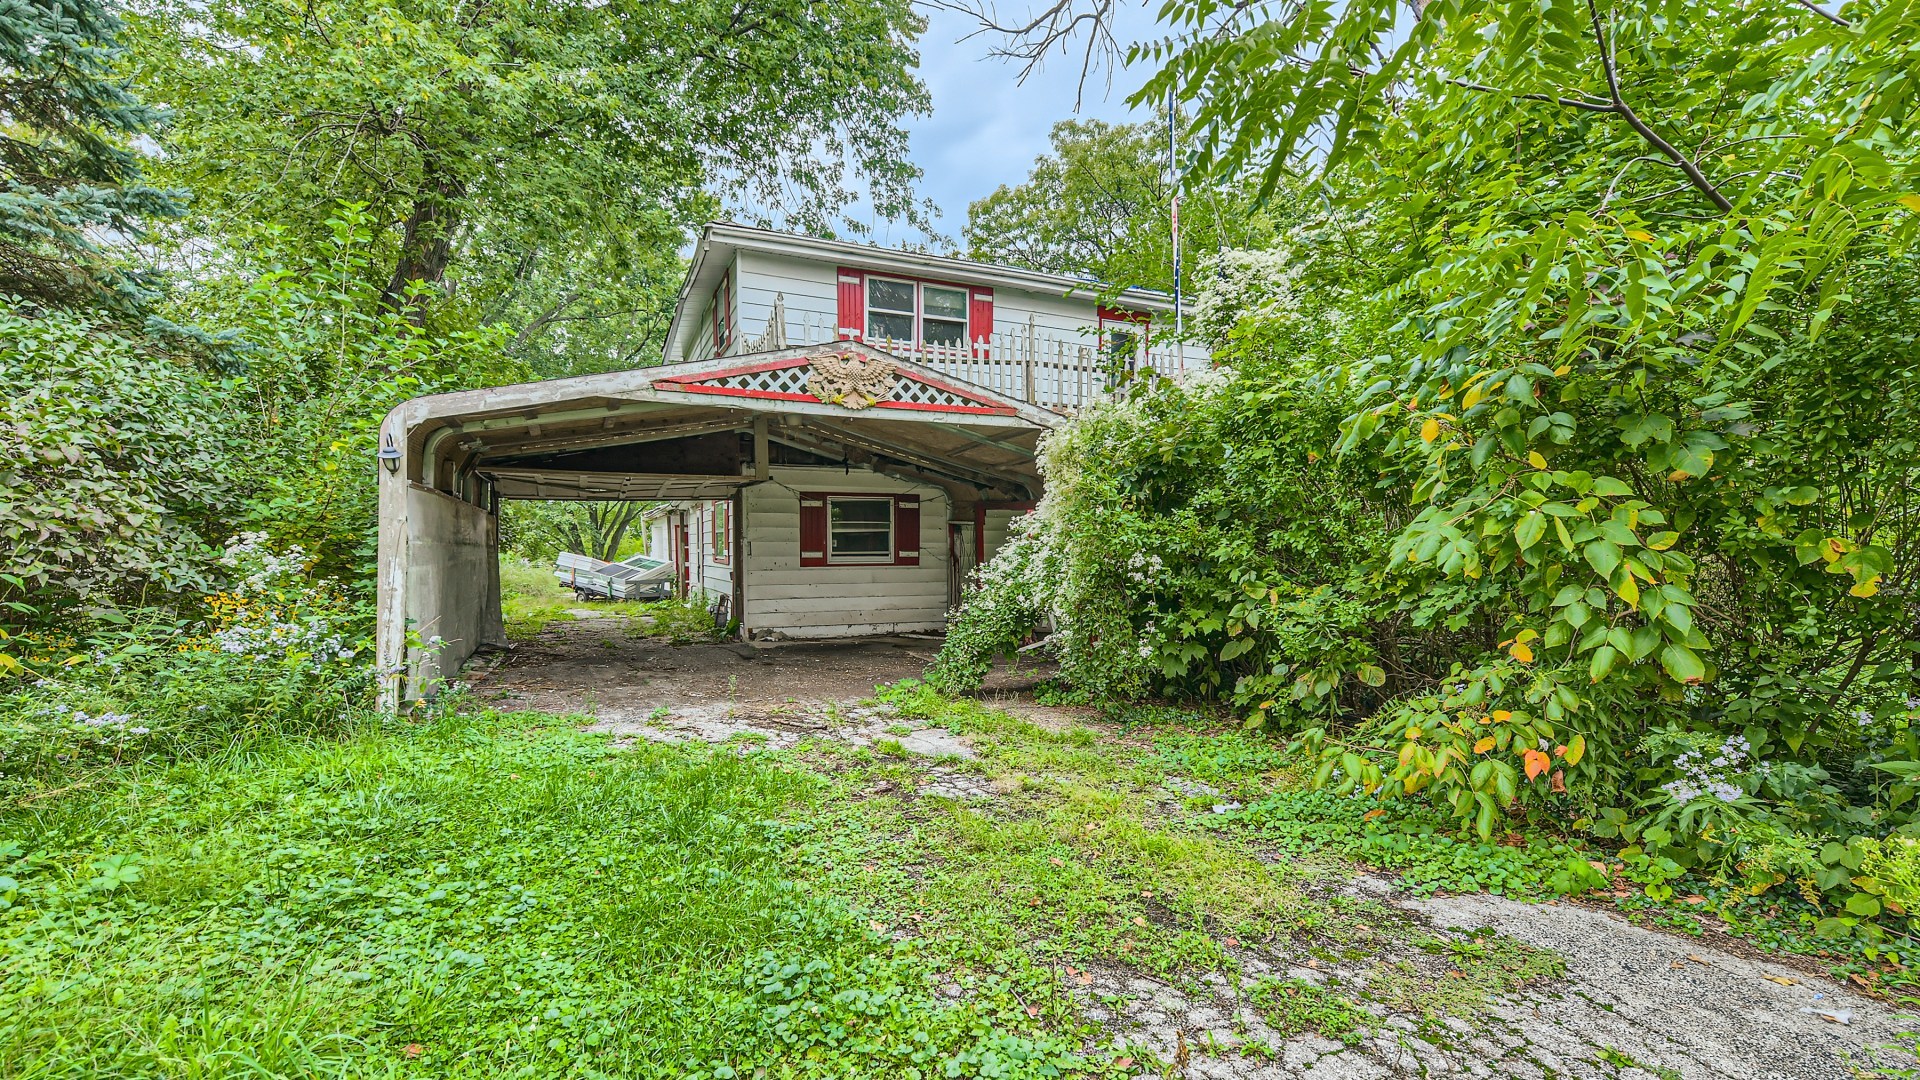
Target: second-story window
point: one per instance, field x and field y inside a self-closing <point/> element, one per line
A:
<point x="944" y="316"/>
<point x="925" y="314"/>
<point x="890" y="310"/>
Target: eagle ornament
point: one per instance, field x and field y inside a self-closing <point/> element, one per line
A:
<point x="849" y="378"/>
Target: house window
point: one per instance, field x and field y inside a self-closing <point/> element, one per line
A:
<point x="723" y="315"/>
<point x="908" y="311"/>
<point x="890" y="310"/>
<point x="1121" y="336"/>
<point x="722" y="532"/>
<point x="860" y="530"/>
<point x="944" y="319"/>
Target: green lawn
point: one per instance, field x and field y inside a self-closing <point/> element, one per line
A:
<point x="472" y="897"/>
<point x="503" y="895"/>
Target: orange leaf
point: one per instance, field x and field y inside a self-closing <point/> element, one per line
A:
<point x="1502" y="715"/>
<point x="1521" y="652"/>
<point x="1373" y="813"/>
<point x="1483" y="745"/>
<point x="1537" y="763"/>
<point x="1560" y="751"/>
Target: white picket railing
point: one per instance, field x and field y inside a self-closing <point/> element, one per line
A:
<point x="1049" y="370"/>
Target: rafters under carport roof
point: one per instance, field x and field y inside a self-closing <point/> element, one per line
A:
<point x="985" y="440"/>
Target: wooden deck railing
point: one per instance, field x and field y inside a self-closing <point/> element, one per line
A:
<point x="1035" y="366"/>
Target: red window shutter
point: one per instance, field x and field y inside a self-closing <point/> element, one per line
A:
<point x="813" y="530"/>
<point x="980" y="319"/>
<point x="853" y="304"/>
<point x="906" y="530"/>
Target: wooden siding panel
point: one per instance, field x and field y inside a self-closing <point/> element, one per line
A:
<point x="837" y="600"/>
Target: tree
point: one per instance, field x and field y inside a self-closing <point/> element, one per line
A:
<point x="497" y="145"/>
<point x="110" y="468"/>
<point x="538" y="530"/>
<point x="1100" y="206"/>
<point x="67" y="176"/>
<point x="1638" y="296"/>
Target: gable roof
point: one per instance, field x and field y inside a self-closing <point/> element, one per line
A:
<point x="720" y="240"/>
<point x="876" y="406"/>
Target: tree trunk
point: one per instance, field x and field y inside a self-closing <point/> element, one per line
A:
<point x="426" y="245"/>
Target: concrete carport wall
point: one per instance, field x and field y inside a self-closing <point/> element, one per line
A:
<point x="702" y="430"/>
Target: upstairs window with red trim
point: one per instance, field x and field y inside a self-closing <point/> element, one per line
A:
<point x="924" y="313"/>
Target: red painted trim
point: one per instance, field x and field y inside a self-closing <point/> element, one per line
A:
<point x="743" y="369"/>
<point x="733" y="391"/>
<point x="947" y="283"/>
<point x="783" y="395"/>
<point x="850" y="299"/>
<point x="979" y="533"/>
<point x="1122" y="315"/>
<point x="937" y="384"/>
<point x="929" y="406"/>
<point x="825" y="527"/>
<point x="697" y="384"/>
<point x="980" y="313"/>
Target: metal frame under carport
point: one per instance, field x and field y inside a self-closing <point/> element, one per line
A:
<point x="657" y="433"/>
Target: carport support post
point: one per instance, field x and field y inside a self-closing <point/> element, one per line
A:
<point x="738" y="543"/>
<point x="390" y="568"/>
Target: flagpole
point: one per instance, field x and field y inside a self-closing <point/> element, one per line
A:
<point x="1173" y="174"/>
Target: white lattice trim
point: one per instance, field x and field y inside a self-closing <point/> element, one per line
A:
<point x="906" y="388"/>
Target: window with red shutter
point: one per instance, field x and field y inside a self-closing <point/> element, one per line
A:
<point x="906" y="530"/>
<point x="853" y="304"/>
<point x="980" y="320"/>
<point x="813" y="530"/>
<point x="859" y="529"/>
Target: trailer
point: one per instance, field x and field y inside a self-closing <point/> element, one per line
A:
<point x="636" y="577"/>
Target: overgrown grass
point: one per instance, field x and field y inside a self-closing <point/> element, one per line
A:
<point x="532" y="598"/>
<point x="487" y="897"/>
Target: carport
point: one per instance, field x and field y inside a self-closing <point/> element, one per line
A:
<point x="789" y="439"/>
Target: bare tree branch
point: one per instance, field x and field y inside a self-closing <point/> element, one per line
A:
<point x="1687" y="166"/>
<point x="1824" y="13"/>
<point x="1056" y="24"/>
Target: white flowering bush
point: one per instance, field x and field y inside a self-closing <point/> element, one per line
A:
<point x="279" y="650"/>
<point x="272" y="611"/>
<point x="1714" y="773"/>
<point x="1188" y="547"/>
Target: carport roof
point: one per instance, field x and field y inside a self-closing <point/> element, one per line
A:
<point x="557" y="439"/>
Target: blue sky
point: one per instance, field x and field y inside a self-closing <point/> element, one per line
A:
<point x="985" y="130"/>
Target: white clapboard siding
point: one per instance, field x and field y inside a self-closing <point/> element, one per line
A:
<point x="999" y="524"/>
<point x="834" y="601"/>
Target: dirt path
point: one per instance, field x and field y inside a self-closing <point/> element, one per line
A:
<point x="1632" y="1003"/>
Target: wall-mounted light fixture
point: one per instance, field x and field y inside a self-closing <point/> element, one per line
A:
<point x="390" y="454"/>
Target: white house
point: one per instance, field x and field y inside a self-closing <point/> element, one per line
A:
<point x="840" y="433"/>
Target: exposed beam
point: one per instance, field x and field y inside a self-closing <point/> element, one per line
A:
<point x="616" y="437"/>
<point x="914" y="457"/>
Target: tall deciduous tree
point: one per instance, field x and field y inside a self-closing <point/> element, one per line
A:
<point x="68" y="177"/>
<point x="499" y="143"/>
<point x="1100" y="206"/>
